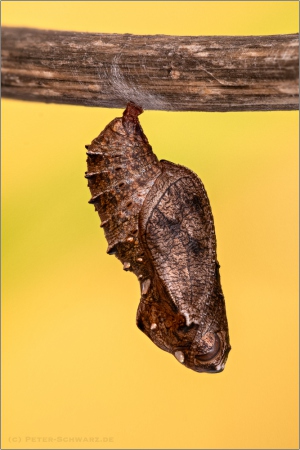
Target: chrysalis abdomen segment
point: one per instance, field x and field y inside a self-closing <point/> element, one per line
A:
<point x="121" y="170"/>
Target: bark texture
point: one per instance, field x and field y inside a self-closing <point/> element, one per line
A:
<point x="172" y="73"/>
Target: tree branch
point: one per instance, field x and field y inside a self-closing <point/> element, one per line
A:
<point x="171" y="73"/>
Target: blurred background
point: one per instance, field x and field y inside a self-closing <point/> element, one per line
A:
<point x="77" y="372"/>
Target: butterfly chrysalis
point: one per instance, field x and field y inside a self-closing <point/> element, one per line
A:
<point x="158" y="222"/>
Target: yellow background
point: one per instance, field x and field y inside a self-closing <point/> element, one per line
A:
<point x="74" y="363"/>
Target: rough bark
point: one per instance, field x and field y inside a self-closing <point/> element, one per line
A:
<point x="172" y="73"/>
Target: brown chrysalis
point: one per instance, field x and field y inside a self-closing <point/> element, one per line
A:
<point x="158" y="222"/>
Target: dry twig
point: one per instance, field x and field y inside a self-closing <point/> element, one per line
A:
<point x="172" y="73"/>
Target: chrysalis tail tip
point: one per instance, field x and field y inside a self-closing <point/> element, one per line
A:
<point x="132" y="110"/>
